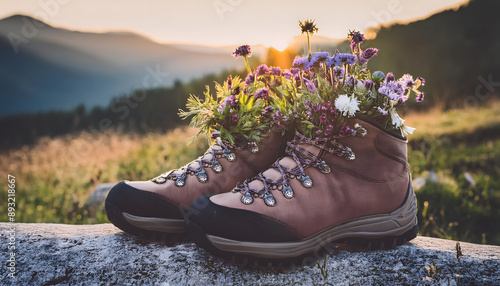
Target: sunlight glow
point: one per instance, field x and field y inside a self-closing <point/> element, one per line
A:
<point x="279" y="45"/>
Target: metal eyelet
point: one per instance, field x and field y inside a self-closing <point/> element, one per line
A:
<point x="202" y="176"/>
<point x="247" y="199"/>
<point x="269" y="200"/>
<point x="287" y="192"/>
<point x="306" y="181"/>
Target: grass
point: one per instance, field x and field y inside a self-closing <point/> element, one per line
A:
<point x="55" y="177"/>
<point x="454" y="156"/>
<point x="457" y="155"/>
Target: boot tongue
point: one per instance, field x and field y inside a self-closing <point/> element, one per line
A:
<point x="287" y="162"/>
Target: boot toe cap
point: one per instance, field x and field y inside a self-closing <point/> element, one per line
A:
<point x="236" y="224"/>
<point x="141" y="203"/>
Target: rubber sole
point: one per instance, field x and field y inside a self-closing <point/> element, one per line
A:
<point x="196" y="234"/>
<point x="156" y="224"/>
<point x="374" y="232"/>
<point x="153" y="226"/>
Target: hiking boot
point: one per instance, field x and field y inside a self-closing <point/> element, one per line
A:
<point x="354" y="186"/>
<point x="154" y="208"/>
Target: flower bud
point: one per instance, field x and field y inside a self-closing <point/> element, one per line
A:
<point x="389" y="77"/>
<point x="378" y="76"/>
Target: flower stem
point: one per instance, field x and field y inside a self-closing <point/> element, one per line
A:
<point x="248" y="66"/>
<point x="345" y="75"/>
<point x="308" y="47"/>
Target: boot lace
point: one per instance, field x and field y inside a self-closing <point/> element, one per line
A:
<point x="225" y="151"/>
<point x="303" y="159"/>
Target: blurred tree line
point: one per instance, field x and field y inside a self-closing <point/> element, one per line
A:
<point x="457" y="52"/>
<point x="141" y="111"/>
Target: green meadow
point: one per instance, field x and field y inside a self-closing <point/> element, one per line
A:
<point x="454" y="158"/>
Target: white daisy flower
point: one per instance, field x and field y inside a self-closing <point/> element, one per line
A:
<point x="347" y="105"/>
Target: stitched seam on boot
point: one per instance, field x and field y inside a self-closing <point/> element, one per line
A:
<point x="405" y="171"/>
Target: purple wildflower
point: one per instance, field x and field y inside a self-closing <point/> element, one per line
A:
<point x="422" y="80"/>
<point x="215" y="134"/>
<point x="367" y="54"/>
<point x="339" y="72"/>
<point x="322" y="118"/>
<point x="268" y="110"/>
<point x="276" y="71"/>
<point x="229" y="82"/>
<point x="262" y="69"/>
<point x="328" y="106"/>
<point x="318" y="132"/>
<point x="250" y="79"/>
<point x="356" y="38"/>
<point x="328" y="130"/>
<point x="287" y="74"/>
<point x="309" y="85"/>
<point x="407" y="81"/>
<point x="389" y="77"/>
<point x="234" y="118"/>
<point x="330" y="62"/>
<point x="298" y="82"/>
<point x="318" y="58"/>
<point x="301" y="63"/>
<point x="368" y="84"/>
<point x="262" y="93"/>
<point x="344" y="59"/>
<point x="384" y="112"/>
<point x="420" y="97"/>
<point x="345" y="129"/>
<point x="243" y="51"/>
<point x="294" y="71"/>
<point x="277" y="116"/>
<point x="232" y="101"/>
<point x="393" y="90"/>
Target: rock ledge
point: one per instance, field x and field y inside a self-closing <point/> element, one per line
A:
<point x="57" y="254"/>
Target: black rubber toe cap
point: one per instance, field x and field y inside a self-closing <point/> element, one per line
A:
<point x="236" y="224"/>
<point x="141" y="203"/>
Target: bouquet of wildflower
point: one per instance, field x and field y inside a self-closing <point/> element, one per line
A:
<point x="333" y="88"/>
<point x="242" y="112"/>
<point x="318" y="95"/>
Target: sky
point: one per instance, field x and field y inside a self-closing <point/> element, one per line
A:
<point x="223" y="22"/>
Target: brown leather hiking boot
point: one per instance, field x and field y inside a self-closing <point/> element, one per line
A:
<point x="347" y="187"/>
<point x="155" y="208"/>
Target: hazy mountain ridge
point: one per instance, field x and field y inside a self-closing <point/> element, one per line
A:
<point x="59" y="68"/>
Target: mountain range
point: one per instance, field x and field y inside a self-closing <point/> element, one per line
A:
<point x="51" y="68"/>
<point x="45" y="68"/>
